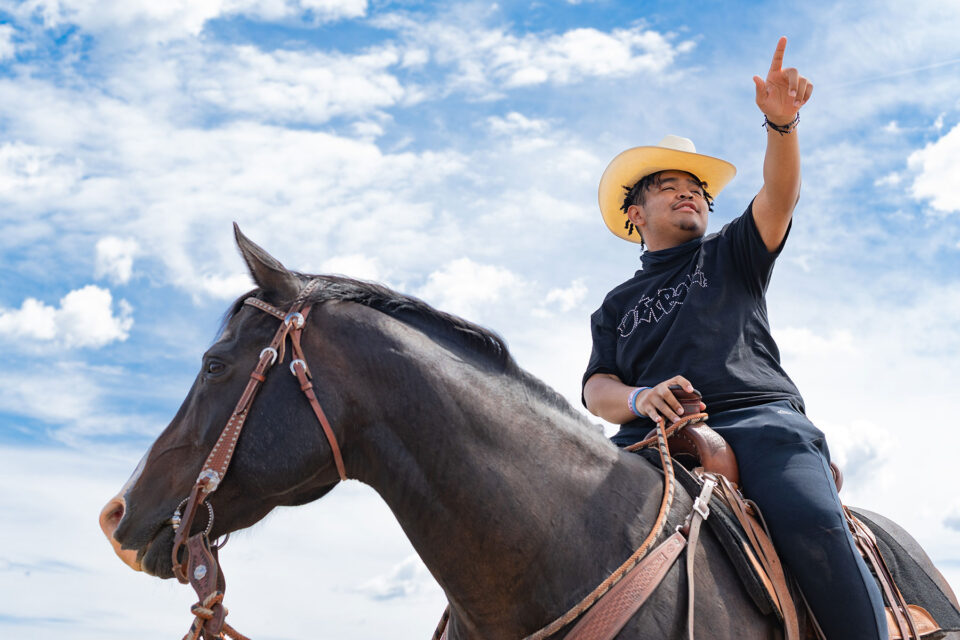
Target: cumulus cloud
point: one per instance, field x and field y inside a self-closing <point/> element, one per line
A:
<point x="465" y="287"/>
<point x="354" y="265"/>
<point x="409" y="578"/>
<point x="85" y="318"/>
<point x="938" y="165"/>
<point x="175" y="189"/>
<point x="115" y="258"/>
<point x="567" y="298"/>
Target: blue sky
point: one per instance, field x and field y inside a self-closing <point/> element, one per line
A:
<point x="453" y="152"/>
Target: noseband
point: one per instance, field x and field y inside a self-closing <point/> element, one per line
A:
<point x="200" y="568"/>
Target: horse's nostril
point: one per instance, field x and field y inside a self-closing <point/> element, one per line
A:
<point x="111" y="515"/>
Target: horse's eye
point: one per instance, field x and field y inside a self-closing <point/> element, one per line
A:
<point x="215" y="368"/>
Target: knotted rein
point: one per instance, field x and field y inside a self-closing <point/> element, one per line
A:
<point x="200" y="568"/>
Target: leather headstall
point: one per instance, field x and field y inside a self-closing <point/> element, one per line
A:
<point x="200" y="568"/>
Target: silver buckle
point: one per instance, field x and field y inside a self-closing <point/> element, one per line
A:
<point x="701" y="508"/>
<point x="295" y="317"/>
<point x="700" y="505"/>
<point x="296" y="362"/>
<point x="271" y="351"/>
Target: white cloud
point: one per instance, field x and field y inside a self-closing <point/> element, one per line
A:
<point x="150" y="21"/>
<point x="29" y="171"/>
<point x="115" y="258"/>
<point x="465" y="287"/>
<point x="938" y="164"/>
<point x="892" y="128"/>
<point x="890" y="180"/>
<point x="485" y="58"/>
<point x="309" y="87"/>
<point x="85" y="318"/>
<point x="407" y="579"/>
<point x="335" y="9"/>
<point x="952" y="520"/>
<point x="354" y="265"/>
<point x="580" y="53"/>
<point x="7" y="47"/>
<point x="516" y="123"/>
<point x="568" y="298"/>
<point x="174" y="190"/>
<point x="802" y="342"/>
<point x="221" y="287"/>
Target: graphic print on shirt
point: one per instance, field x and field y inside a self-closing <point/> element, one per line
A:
<point x="650" y="310"/>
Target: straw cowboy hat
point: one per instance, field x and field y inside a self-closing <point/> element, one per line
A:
<point x="671" y="153"/>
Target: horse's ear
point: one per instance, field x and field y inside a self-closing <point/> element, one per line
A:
<point x="279" y="284"/>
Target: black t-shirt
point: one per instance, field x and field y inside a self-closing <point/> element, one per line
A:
<point x="696" y="310"/>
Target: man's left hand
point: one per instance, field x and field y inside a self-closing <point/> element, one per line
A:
<point x="784" y="91"/>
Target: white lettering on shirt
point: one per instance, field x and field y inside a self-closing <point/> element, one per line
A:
<point x="651" y="310"/>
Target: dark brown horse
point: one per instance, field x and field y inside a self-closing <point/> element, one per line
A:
<point x="517" y="505"/>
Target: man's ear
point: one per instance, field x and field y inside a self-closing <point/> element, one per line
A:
<point x="279" y="284"/>
<point x="636" y="215"/>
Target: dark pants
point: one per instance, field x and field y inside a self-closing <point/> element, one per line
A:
<point x="784" y="468"/>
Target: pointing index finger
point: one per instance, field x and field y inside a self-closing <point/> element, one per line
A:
<point x="777" y="62"/>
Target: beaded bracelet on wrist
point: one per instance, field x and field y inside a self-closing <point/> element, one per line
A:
<point x="781" y="128"/>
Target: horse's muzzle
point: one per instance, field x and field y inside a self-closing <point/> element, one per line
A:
<point x="110" y="517"/>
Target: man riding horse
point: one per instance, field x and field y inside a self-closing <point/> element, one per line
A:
<point x="697" y="307"/>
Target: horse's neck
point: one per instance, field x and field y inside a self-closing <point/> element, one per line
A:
<point x="495" y="487"/>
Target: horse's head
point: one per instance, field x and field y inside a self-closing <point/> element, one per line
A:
<point x="282" y="458"/>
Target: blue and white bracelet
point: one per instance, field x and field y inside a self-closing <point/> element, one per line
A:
<point x="632" y="401"/>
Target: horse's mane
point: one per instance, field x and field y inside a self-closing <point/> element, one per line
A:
<point x="469" y="339"/>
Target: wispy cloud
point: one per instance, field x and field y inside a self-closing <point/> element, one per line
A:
<point x="143" y="20"/>
<point x="295" y="86"/>
<point x="8" y="47"/>
<point x="488" y="60"/>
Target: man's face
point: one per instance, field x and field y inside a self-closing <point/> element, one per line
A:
<point x="673" y="211"/>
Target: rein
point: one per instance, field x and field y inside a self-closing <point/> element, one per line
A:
<point x="200" y="567"/>
<point x="669" y="487"/>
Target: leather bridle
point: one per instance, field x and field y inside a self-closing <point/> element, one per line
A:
<point x="200" y="568"/>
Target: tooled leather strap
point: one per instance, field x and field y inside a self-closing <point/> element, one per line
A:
<point x="217" y="462"/>
<point x="610" y="615"/>
<point x="669" y="488"/>
<point x="219" y="458"/>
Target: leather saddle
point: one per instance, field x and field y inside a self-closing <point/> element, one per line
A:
<point x="702" y="450"/>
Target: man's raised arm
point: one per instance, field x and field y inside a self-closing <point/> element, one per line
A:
<point x="779" y="97"/>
